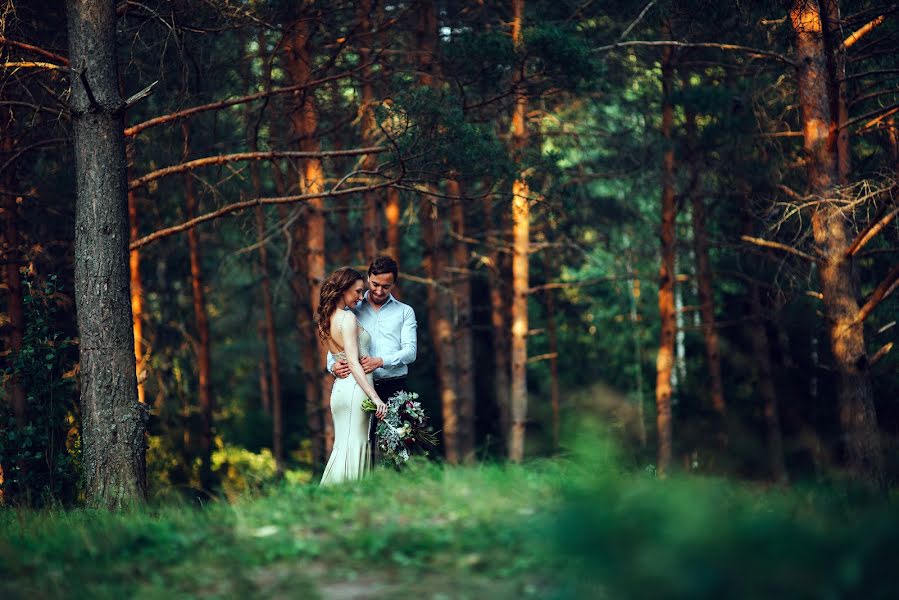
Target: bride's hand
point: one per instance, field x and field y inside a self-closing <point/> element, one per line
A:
<point x="381" y="412"/>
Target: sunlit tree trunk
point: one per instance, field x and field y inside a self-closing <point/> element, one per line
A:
<point x="113" y="421"/>
<point x="137" y="296"/>
<point x="665" y="358"/>
<point x="392" y="217"/>
<point x="201" y="316"/>
<point x="305" y="123"/>
<point x="839" y="285"/>
<point x="371" y="229"/>
<point x="464" y="345"/>
<point x="704" y="275"/>
<point x="521" y="218"/>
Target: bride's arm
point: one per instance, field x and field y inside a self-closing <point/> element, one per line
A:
<point x="349" y="329"/>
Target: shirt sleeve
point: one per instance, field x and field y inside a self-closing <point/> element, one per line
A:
<point x="331" y="362"/>
<point x="408" y="342"/>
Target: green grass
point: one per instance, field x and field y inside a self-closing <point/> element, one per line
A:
<point x="578" y="527"/>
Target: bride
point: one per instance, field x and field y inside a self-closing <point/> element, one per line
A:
<point x="347" y="340"/>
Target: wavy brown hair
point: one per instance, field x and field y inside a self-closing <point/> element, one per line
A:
<point x="333" y="289"/>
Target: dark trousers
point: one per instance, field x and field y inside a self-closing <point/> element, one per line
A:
<point x="385" y="388"/>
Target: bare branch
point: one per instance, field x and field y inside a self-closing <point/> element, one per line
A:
<point x="754" y="52"/>
<point x="239" y="206"/>
<point x="637" y="20"/>
<point x="27" y="64"/>
<point x="863" y="30"/>
<point x="140" y="95"/>
<point x="867" y="234"/>
<point x="241" y="156"/>
<point x="36" y="50"/>
<point x="881" y="293"/>
<point x="879" y="115"/>
<point x="777" y="246"/>
<point x="880" y="353"/>
<point x="181" y="114"/>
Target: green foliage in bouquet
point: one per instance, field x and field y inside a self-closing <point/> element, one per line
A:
<point x="404" y="430"/>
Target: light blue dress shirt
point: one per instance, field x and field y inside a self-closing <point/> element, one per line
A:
<point x="393" y="331"/>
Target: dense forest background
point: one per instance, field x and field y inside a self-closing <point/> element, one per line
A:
<point x="678" y="216"/>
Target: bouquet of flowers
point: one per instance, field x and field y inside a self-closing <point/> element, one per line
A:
<point x="404" y="429"/>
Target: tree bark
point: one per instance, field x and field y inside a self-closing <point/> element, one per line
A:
<point x="435" y="260"/>
<point x="704" y="277"/>
<point x="463" y="340"/>
<point x="521" y="217"/>
<point x="665" y="357"/>
<point x="499" y="289"/>
<point x="838" y="86"/>
<point x="113" y="421"/>
<point x="204" y="361"/>
<point x="761" y="350"/>
<point x="392" y="216"/>
<point x="838" y="279"/>
<point x="371" y="228"/>
<point x="304" y="119"/>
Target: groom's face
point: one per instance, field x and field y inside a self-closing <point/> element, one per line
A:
<point x="379" y="287"/>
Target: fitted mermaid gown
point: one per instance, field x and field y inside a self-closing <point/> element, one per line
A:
<point x="351" y="457"/>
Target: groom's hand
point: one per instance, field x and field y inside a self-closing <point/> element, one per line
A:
<point x="370" y="363"/>
<point x="341" y="369"/>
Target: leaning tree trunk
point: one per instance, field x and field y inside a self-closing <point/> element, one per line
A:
<point x="521" y="217"/>
<point x="839" y="284"/>
<point x="113" y="421"/>
<point x="665" y="358"/>
<point x="204" y="361"/>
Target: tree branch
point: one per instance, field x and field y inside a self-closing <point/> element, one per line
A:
<point x="863" y="30"/>
<point x="755" y="52"/>
<point x="239" y="206"/>
<point x="867" y="234"/>
<point x="240" y="156"/>
<point x="881" y="293"/>
<point x="777" y="246"/>
<point x="45" y="53"/>
<point x="637" y="20"/>
<point x="879" y="115"/>
<point x="181" y="114"/>
<point x="28" y="64"/>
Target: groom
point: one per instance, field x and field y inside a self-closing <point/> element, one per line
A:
<point x="392" y="327"/>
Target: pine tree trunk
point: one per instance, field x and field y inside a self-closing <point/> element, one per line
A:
<point x="392" y="216"/>
<point x="838" y="87"/>
<point x="839" y="285"/>
<point x="371" y="228"/>
<point x="268" y="331"/>
<point x="634" y="294"/>
<point x="665" y="358"/>
<point x="521" y="217"/>
<point x="463" y="340"/>
<point x="113" y="421"/>
<point x="761" y="351"/>
<point x="305" y="123"/>
<point x="435" y="261"/>
<point x="204" y="360"/>
<point x="552" y="335"/>
<point x="704" y="278"/>
<point x="499" y="289"/>
<point x="137" y="296"/>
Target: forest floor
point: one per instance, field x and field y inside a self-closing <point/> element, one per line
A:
<point x="576" y="527"/>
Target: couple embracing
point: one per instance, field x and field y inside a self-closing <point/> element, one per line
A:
<point x="371" y="340"/>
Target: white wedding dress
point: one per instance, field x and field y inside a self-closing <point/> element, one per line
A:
<point x="351" y="456"/>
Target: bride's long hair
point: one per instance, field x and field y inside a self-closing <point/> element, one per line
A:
<point x="332" y="292"/>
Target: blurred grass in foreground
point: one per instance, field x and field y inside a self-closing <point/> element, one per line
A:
<point x="578" y="527"/>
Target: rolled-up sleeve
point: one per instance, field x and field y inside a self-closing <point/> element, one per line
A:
<point x="408" y="342"/>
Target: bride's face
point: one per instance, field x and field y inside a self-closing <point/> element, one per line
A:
<point x="353" y="295"/>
